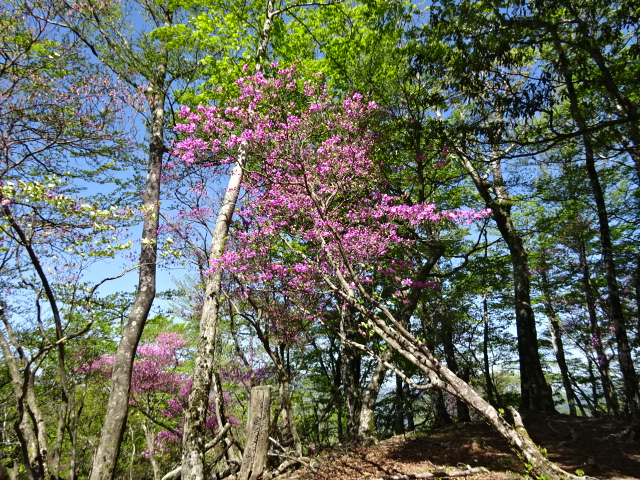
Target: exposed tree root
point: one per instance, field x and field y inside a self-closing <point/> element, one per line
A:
<point x="438" y="474"/>
<point x="310" y="463"/>
<point x="628" y="434"/>
<point x="572" y="434"/>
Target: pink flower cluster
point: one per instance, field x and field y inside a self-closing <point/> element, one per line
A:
<point x="314" y="206"/>
<point x="155" y="370"/>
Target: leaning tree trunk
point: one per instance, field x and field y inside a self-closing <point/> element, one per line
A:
<point x="366" y="433"/>
<point x="401" y="341"/>
<point x="193" y="439"/>
<point x="404" y="343"/>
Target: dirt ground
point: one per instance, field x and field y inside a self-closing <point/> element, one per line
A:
<point x="575" y="444"/>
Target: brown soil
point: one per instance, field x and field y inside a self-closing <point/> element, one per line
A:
<point x="573" y="443"/>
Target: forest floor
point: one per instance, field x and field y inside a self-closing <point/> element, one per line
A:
<point x="581" y="443"/>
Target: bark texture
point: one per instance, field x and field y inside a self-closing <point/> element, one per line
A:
<point x="254" y="459"/>
<point x="106" y="456"/>
<point x="536" y="394"/>
<point x="193" y="440"/>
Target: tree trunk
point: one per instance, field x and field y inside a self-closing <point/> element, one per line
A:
<point x="193" y="439"/>
<point x="593" y="404"/>
<point x="441" y="417"/>
<point x="29" y="445"/>
<point x="366" y="424"/>
<point x="350" y="361"/>
<point x="624" y="105"/>
<point x="150" y="439"/>
<point x="411" y="426"/>
<point x="536" y="394"/>
<point x="288" y="418"/>
<point x="610" y="395"/>
<point x="106" y="456"/>
<point x="29" y="425"/>
<point x="401" y="341"/>
<point x="399" y="406"/>
<point x="194" y="436"/>
<point x="462" y="411"/>
<point x="444" y="379"/>
<point x="491" y="389"/>
<point x="558" y="345"/>
<point x="625" y="358"/>
<point x="254" y="459"/>
<point x="637" y="288"/>
<point x="366" y="433"/>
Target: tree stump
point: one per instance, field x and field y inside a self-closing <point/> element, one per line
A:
<point x="254" y="459"/>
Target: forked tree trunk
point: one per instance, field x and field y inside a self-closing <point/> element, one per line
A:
<point x="29" y="418"/>
<point x="47" y="464"/>
<point x="366" y="424"/>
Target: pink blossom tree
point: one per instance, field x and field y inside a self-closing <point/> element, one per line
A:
<point x="160" y="388"/>
<point x="318" y="225"/>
